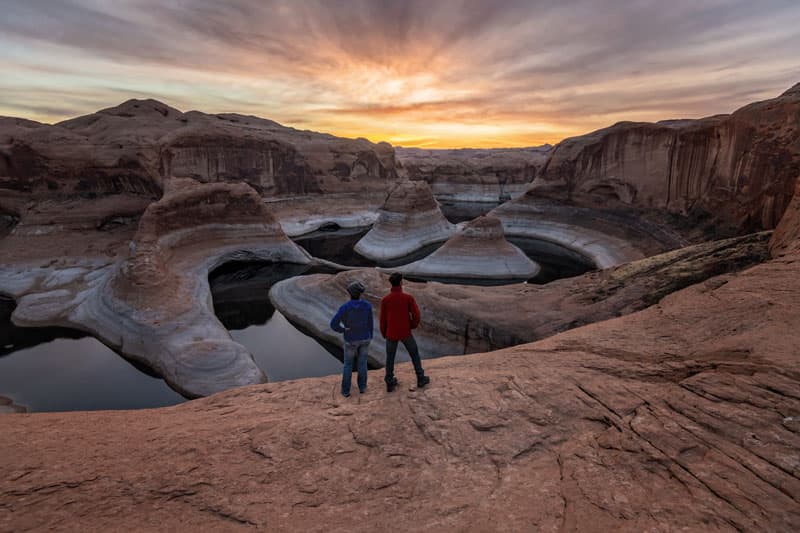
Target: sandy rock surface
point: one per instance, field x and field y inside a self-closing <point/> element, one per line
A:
<point x="684" y="415"/>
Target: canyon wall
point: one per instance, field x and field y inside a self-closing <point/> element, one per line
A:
<point x="131" y="150"/>
<point x="737" y="170"/>
<point x="471" y="174"/>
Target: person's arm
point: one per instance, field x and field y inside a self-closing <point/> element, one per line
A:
<point x="413" y="310"/>
<point x="336" y="321"/>
<point x="370" y="324"/>
<point x="383" y="319"/>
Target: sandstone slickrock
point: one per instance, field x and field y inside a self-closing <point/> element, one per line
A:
<point x="155" y="306"/>
<point x="737" y="171"/>
<point x="478" y="251"/>
<point x="409" y="220"/>
<point x="460" y="319"/>
<point x="683" y="416"/>
<point x="473" y="174"/>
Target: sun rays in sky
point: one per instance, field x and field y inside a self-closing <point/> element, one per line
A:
<point x="436" y="74"/>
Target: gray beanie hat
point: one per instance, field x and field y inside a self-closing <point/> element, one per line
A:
<point x="355" y="288"/>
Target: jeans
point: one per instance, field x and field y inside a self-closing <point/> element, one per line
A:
<point x="353" y="350"/>
<point x="391" y="350"/>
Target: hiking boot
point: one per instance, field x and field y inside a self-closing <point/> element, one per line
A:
<point x="421" y="382"/>
<point x="391" y="385"/>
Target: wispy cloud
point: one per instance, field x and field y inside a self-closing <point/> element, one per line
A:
<point x="445" y="73"/>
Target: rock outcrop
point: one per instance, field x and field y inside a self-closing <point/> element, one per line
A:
<point x="605" y="237"/>
<point x="462" y="319"/>
<point x="786" y="239"/>
<point x="131" y="150"/>
<point x="154" y="307"/>
<point x="409" y="220"/>
<point x="737" y="171"/>
<point x="478" y="252"/>
<point x="472" y="174"/>
<point x="682" y="416"/>
<point x="8" y="406"/>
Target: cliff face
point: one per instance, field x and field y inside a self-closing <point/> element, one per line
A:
<point x="739" y="168"/>
<point x="135" y="147"/>
<point x="786" y="239"/>
<point x="473" y="174"/>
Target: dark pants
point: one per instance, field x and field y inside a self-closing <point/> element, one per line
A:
<point x="413" y="351"/>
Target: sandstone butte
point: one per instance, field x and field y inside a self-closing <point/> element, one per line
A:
<point x="669" y="405"/>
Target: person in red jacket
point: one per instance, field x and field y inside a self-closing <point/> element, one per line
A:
<point x="399" y="314"/>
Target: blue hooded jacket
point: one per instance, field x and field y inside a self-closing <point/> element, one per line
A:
<point x="354" y="319"/>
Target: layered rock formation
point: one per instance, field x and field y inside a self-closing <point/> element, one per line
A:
<point x="409" y="220"/>
<point x="461" y="319"/>
<point x="478" y="252"/>
<point x="605" y="237"/>
<point x="473" y="175"/>
<point x="682" y="416"/>
<point x="737" y="171"/>
<point x="128" y="152"/>
<point x="155" y="306"/>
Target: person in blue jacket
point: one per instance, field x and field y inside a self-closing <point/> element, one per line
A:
<point x="354" y="319"/>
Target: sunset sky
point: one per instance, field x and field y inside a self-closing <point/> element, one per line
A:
<point x="436" y="73"/>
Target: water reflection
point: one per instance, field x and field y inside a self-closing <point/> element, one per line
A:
<point x="78" y="374"/>
<point x="240" y="298"/>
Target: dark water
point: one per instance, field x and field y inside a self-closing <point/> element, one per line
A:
<point x="336" y="245"/>
<point x="280" y="349"/>
<point x="59" y="369"/>
<point x="78" y="374"/>
<point x="557" y="262"/>
<point x="457" y="212"/>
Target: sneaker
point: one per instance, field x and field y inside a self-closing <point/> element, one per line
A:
<point x="391" y="385"/>
<point x="362" y="391"/>
<point x="421" y="382"/>
<point x="346" y="394"/>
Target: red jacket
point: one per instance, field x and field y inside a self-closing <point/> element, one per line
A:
<point x="399" y="315"/>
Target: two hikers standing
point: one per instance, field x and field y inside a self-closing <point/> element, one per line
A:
<point x="399" y="314"/>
